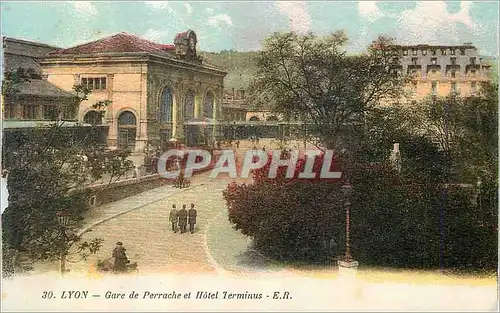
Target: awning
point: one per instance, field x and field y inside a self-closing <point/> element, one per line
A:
<point x="203" y="121"/>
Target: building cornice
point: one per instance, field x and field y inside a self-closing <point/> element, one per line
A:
<point x="127" y="57"/>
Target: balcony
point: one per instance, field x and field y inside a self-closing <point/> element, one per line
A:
<point x="414" y="67"/>
<point x="450" y="67"/>
<point x="431" y="67"/>
<point x="472" y="66"/>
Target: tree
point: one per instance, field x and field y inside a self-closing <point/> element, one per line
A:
<point x="13" y="79"/>
<point x="464" y="128"/>
<point x="47" y="168"/>
<point x="312" y="78"/>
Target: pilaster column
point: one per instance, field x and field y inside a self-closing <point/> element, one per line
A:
<point x="142" y="126"/>
<point x="110" y="117"/>
<point x="198" y="100"/>
<point x="109" y="89"/>
<point x="76" y="78"/>
<point x="178" y="121"/>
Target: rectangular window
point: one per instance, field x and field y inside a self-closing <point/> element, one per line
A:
<point x="50" y="112"/>
<point x="443" y="51"/>
<point x="453" y="74"/>
<point x="414" y="52"/>
<point x="434" y="88"/>
<point x="462" y="51"/>
<point x="473" y="88"/>
<point x="97" y="83"/>
<point x="29" y="111"/>
<point x="473" y="73"/>
<point x="94" y="83"/>
<point x="452" y="51"/>
<point x="472" y="60"/>
<point x="453" y="88"/>
<point x="453" y="61"/>
<point x="9" y="110"/>
<point x="424" y="52"/>
<point x="433" y="52"/>
<point x="405" y="52"/>
<point x="434" y="61"/>
<point x="414" y="61"/>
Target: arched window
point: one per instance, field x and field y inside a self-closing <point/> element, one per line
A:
<point x="272" y="118"/>
<point x="93" y="118"/>
<point x="208" y="105"/>
<point x="127" y="118"/>
<point x="254" y="119"/>
<point x="189" y="105"/>
<point x="127" y="130"/>
<point x="166" y="104"/>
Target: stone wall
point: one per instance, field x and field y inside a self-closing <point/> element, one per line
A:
<point x="116" y="191"/>
<point x="103" y="193"/>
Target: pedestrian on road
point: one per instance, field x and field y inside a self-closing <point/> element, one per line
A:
<point x="192" y="218"/>
<point x="174" y="218"/>
<point x="120" y="256"/>
<point x="183" y="218"/>
<point x="237" y="144"/>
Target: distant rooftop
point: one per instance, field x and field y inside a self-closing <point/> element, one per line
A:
<point x="466" y="45"/>
<point x="7" y="40"/>
<point x="43" y="88"/>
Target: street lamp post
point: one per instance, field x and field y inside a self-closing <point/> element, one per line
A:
<point x="444" y="192"/>
<point x="63" y="218"/>
<point x="347" y="260"/>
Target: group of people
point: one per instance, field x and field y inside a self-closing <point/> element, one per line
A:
<point x="254" y="139"/>
<point x="181" y="218"/>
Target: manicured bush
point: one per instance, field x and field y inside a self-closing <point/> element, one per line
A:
<point x="397" y="220"/>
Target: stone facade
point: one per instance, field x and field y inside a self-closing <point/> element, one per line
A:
<point x="442" y="70"/>
<point x="147" y="84"/>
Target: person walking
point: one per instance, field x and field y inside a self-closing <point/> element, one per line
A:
<point x="237" y="144"/>
<point x="174" y="218"/>
<point x="183" y="217"/>
<point x="192" y="218"/>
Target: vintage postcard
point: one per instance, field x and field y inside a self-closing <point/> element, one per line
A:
<point x="249" y="156"/>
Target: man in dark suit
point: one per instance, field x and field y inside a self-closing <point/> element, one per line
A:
<point x="174" y="218"/>
<point x="192" y="218"/>
<point x="183" y="217"/>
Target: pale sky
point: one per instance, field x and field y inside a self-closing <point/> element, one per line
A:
<point x="242" y="26"/>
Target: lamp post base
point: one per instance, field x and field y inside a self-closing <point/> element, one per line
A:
<point x="348" y="263"/>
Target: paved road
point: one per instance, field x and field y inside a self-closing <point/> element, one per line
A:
<point x="146" y="234"/>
